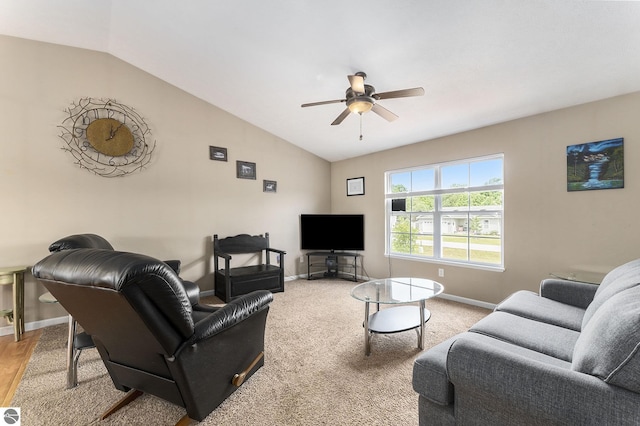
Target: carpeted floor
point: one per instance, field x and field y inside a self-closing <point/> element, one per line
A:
<point x="315" y="370"/>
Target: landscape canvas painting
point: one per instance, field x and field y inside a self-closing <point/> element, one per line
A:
<point x="595" y="165"/>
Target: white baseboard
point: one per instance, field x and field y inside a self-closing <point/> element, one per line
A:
<point x="468" y="301"/>
<point x="34" y="325"/>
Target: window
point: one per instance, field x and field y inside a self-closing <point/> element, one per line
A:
<point x="449" y="212"/>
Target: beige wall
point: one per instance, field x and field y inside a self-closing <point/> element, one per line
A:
<point x="171" y="209"/>
<point x="546" y="228"/>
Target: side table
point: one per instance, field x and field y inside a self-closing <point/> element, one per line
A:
<point x="76" y="342"/>
<point x="14" y="275"/>
<point x="582" y="276"/>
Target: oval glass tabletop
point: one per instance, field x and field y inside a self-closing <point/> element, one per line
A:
<point x="397" y="290"/>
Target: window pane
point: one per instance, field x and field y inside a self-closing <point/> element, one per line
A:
<point x="422" y="245"/>
<point x="487" y="172"/>
<point x="455" y="176"/>
<point x="400" y="182"/>
<point x="486" y="200"/>
<point x="423" y="180"/>
<point x="455" y="237"/>
<point x="486" y="238"/>
<point x="422" y="203"/>
<point x="422" y="235"/>
<point x="458" y="201"/>
<point x="400" y="237"/>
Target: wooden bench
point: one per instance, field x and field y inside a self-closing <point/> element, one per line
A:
<point x="231" y="282"/>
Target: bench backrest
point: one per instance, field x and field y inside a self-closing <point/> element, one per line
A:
<point x="242" y="243"/>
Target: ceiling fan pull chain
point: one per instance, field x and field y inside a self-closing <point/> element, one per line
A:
<point x="360" y="125"/>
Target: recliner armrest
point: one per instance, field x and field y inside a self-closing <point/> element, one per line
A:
<point x="575" y="293"/>
<point x="174" y="264"/>
<point x="231" y="314"/>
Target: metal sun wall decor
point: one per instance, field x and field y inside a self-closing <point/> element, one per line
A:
<point x="595" y="165"/>
<point x="106" y="137"/>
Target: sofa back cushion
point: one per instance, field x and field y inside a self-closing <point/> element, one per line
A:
<point x="609" y="345"/>
<point x="619" y="279"/>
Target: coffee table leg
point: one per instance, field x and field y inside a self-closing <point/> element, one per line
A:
<point x="367" y="340"/>
<point x="421" y="335"/>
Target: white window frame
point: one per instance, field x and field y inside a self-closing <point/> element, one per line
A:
<point x="439" y="212"/>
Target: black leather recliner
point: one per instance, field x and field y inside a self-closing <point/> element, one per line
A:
<point x="96" y="241"/>
<point x="149" y="335"/>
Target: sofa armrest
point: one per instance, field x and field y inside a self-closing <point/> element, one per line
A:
<point x="499" y="385"/>
<point x="573" y="293"/>
<point x="430" y="374"/>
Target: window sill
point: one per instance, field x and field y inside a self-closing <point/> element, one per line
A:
<point x="496" y="268"/>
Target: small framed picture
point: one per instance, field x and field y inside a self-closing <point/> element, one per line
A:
<point x="245" y="170"/>
<point x="217" y="153"/>
<point x="269" y="186"/>
<point x="355" y="186"/>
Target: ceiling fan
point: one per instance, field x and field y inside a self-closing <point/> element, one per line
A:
<point x="362" y="98"/>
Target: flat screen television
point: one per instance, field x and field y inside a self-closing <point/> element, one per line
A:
<point x="332" y="232"/>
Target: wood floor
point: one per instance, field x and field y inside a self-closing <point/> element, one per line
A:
<point x="14" y="357"/>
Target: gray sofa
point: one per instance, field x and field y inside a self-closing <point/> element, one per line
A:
<point x="567" y="356"/>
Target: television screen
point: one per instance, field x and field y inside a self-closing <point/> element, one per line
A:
<point x="332" y="232"/>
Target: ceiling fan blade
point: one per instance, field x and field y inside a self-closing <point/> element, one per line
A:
<point x="341" y="117"/>
<point x="383" y="112"/>
<point x="335" y="101"/>
<point x="405" y="93"/>
<point x="357" y="83"/>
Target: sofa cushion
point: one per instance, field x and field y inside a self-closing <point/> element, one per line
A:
<point x="619" y="279"/>
<point x="545" y="338"/>
<point x="609" y="345"/>
<point x="528" y="304"/>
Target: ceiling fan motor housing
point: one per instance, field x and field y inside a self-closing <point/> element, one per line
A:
<point x="360" y="102"/>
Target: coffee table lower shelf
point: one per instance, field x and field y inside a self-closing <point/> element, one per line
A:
<point x="395" y="320"/>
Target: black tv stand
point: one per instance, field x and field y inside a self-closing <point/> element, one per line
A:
<point x="331" y="265"/>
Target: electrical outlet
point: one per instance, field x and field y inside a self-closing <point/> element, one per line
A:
<point x="301" y="259"/>
<point x="440" y="272"/>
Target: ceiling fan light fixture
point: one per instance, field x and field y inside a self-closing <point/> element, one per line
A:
<point x="360" y="105"/>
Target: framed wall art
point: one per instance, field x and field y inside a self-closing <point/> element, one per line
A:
<point x="355" y="186"/>
<point x="217" y="153"/>
<point x="595" y="165"/>
<point x="245" y="170"/>
<point x="269" y="186"/>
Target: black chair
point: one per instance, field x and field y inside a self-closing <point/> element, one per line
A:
<point x="149" y="335"/>
<point x="77" y="342"/>
<point x="231" y="282"/>
<point x="96" y="241"/>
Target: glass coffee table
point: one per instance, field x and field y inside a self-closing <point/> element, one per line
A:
<point x="396" y="291"/>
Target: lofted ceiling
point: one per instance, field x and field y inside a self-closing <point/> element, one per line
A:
<point x="480" y="62"/>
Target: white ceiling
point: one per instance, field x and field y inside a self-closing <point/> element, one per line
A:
<point x="480" y="62"/>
